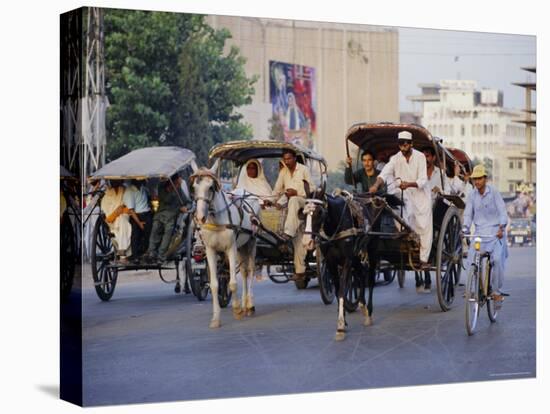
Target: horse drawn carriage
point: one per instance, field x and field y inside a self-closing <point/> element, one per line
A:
<point x="356" y="231"/>
<point x="151" y="166"/>
<point x="272" y="252"/>
<point x="400" y="248"/>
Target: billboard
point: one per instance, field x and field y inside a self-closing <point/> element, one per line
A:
<point x="293" y="101"/>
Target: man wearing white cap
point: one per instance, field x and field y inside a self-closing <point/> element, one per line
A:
<point x="408" y="168"/>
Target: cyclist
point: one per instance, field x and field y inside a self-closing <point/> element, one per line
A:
<point x="486" y="210"/>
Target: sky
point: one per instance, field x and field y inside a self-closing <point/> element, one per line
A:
<point x="493" y="60"/>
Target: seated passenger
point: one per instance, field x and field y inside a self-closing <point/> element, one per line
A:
<point x="252" y="179"/>
<point x="294" y="183"/>
<point x="408" y="167"/>
<point x="449" y="185"/>
<point x="365" y="176"/>
<point x="170" y="198"/>
<point x="136" y="200"/>
<point x="116" y="217"/>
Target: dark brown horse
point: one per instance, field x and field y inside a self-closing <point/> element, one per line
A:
<point x="338" y="229"/>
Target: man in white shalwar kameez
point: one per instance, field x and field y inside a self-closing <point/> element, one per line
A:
<point x="408" y="167"/>
<point x="116" y="216"/>
<point x="450" y="185"/>
<point x="438" y="182"/>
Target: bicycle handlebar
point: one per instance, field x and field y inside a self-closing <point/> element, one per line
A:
<point x="482" y="236"/>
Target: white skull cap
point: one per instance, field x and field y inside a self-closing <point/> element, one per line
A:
<point x="404" y="135"/>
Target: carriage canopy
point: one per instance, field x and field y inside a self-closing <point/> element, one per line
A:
<point x="241" y="151"/>
<point x="461" y="157"/>
<point x="381" y="139"/>
<point x="153" y="162"/>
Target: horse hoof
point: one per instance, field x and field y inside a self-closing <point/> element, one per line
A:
<point x="238" y="314"/>
<point x="250" y="311"/>
<point x="177" y="289"/>
<point x="340" y="336"/>
<point x="368" y="321"/>
<point x="215" y="324"/>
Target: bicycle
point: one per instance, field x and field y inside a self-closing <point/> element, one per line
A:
<point x="478" y="287"/>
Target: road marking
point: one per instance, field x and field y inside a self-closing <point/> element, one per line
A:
<point x="505" y="374"/>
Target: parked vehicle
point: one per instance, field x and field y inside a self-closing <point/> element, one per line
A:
<point x="521" y="232"/>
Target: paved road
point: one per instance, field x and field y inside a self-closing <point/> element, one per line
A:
<point x="148" y="344"/>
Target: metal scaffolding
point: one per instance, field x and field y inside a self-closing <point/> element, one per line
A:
<point x="71" y="89"/>
<point x="83" y="99"/>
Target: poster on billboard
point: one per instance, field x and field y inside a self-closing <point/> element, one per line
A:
<point x="292" y="94"/>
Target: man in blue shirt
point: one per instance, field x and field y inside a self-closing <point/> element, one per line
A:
<point x="136" y="199"/>
<point x="486" y="210"/>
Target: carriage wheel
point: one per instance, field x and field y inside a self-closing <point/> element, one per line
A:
<point x="389" y="276"/>
<point x="67" y="259"/>
<point x="448" y="258"/>
<point x="400" y="277"/>
<point x="103" y="253"/>
<point x="326" y="285"/>
<point x="224" y="293"/>
<point x="326" y="281"/>
<point x="186" y="265"/>
<point x="279" y="276"/>
<point x="351" y="294"/>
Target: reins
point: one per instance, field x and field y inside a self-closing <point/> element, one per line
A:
<point x="353" y="231"/>
<point x="245" y="207"/>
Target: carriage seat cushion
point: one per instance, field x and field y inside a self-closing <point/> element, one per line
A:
<point x="273" y="219"/>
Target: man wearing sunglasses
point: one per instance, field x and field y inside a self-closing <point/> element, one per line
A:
<point x="407" y="170"/>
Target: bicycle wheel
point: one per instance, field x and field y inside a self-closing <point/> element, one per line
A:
<point x="471" y="298"/>
<point x="492" y="306"/>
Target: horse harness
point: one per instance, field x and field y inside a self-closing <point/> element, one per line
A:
<point x="241" y="209"/>
<point x="354" y="208"/>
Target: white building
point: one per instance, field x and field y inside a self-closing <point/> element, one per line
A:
<point x="475" y="121"/>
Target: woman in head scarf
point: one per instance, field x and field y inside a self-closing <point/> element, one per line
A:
<point x="252" y="179"/>
<point x="116" y="216"/>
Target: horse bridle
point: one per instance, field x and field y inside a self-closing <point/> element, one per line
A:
<point x="337" y="234"/>
<point x="246" y="207"/>
<point x="208" y="201"/>
<point x="321" y="204"/>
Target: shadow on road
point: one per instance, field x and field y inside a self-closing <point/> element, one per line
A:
<point x="50" y="389"/>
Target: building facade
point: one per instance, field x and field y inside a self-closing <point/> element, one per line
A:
<point x="530" y="122"/>
<point x="335" y="75"/>
<point x="475" y="121"/>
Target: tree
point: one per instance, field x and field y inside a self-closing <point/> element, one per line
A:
<point x="169" y="82"/>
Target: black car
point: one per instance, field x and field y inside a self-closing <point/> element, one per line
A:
<point x="521" y="232"/>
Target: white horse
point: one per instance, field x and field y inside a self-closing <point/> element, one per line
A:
<point x="226" y="224"/>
